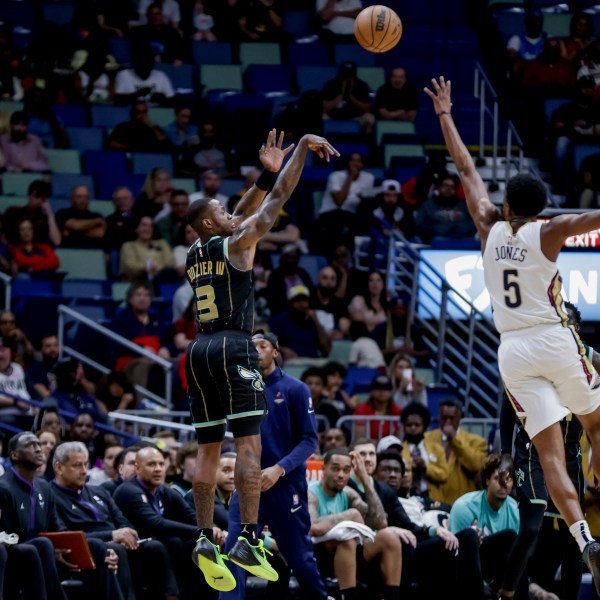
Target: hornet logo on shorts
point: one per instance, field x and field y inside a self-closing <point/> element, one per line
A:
<point x="254" y="376"/>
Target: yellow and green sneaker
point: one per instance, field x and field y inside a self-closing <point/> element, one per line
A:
<point x="253" y="559"/>
<point x="207" y="557"/>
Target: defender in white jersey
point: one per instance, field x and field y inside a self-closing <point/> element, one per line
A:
<point x="542" y="361"/>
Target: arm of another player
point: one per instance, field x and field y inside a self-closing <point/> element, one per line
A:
<point x="557" y="230"/>
<point x="271" y="156"/>
<point x="482" y="211"/>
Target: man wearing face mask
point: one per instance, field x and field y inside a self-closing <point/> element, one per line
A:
<point x="23" y="151"/>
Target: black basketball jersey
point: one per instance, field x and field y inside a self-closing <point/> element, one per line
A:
<point x="224" y="295"/>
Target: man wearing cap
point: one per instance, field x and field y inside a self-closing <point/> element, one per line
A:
<point x="289" y="437"/>
<point x="298" y="328"/>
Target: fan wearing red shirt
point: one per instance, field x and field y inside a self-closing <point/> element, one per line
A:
<point x="380" y="403"/>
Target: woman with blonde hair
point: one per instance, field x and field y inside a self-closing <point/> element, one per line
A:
<point x="154" y="199"/>
<point x="407" y="388"/>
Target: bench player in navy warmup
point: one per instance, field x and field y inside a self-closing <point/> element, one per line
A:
<point x="224" y="383"/>
<point x="289" y="437"/>
<point x="543" y="364"/>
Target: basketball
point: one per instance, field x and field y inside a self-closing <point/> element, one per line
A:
<point x="378" y="28"/>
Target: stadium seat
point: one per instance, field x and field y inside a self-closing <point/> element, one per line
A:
<point x="265" y="53"/>
<point x="16" y="184"/>
<point x="347" y="148"/>
<point x="580" y="151"/>
<point x="119" y="290"/>
<point x="395" y="127"/>
<point x="265" y="79"/>
<point x="307" y="55"/>
<point x="402" y="151"/>
<point x="64" y="161"/>
<point x="333" y="127"/>
<point x="103" y="207"/>
<point x="6" y="201"/>
<point x="317" y="201"/>
<point x="182" y="77"/>
<point x="83" y="288"/>
<point x="10" y="106"/>
<point x="86" y="138"/>
<point x="211" y="53"/>
<point x="373" y="76"/>
<point x="63" y="183"/>
<point x="120" y="48"/>
<point x="185" y="183"/>
<point x="221" y="77"/>
<point x="106" y="184"/>
<point x="359" y="380"/>
<point x="71" y="115"/>
<point x="354" y="53"/>
<point x="340" y="351"/>
<point x="108" y="116"/>
<point x="314" y="78"/>
<point x="22" y="287"/>
<point x="143" y="163"/>
<point x="60" y="13"/>
<point x="299" y="23"/>
<point x="82" y="264"/>
<point x="161" y="116"/>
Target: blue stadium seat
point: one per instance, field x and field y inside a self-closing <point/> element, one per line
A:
<point x="60" y="13"/>
<point x="84" y="288"/>
<point x="107" y="183"/>
<point x="354" y="53"/>
<point x="108" y="116"/>
<point x="300" y="23"/>
<point x="98" y="162"/>
<point x="212" y="53"/>
<point x="63" y="183"/>
<point x="71" y="115"/>
<point x="244" y="101"/>
<point x="308" y="55"/>
<point x="358" y="380"/>
<point x="332" y="127"/>
<point x="182" y="77"/>
<point x="120" y="48"/>
<point x="33" y="287"/>
<point x="142" y="163"/>
<point x="345" y="149"/>
<point x="314" y="78"/>
<point x="86" y="138"/>
<point x="264" y="79"/>
<point x="581" y="151"/>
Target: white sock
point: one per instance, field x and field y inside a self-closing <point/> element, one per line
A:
<point x="581" y="532"/>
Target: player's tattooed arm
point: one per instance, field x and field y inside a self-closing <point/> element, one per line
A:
<point x="204" y="500"/>
<point x="372" y="510"/>
<point x="321" y="525"/>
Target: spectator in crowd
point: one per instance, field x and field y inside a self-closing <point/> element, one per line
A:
<point x="371" y="307"/>
<point x="589" y="181"/>
<point x="124" y="465"/>
<point x="260" y="20"/>
<point x="334" y="438"/>
<point x="315" y="381"/>
<point x="225" y="486"/>
<point x="289" y="274"/>
<point x="397" y="99"/>
<point x="21" y="151"/>
<point x="41" y="372"/>
<point x="119" y="224"/>
<point x="115" y="392"/>
<point x="444" y="214"/>
<point x="145" y="257"/>
<point x="180" y="251"/>
<point x="494" y="513"/>
<point x="527" y="46"/>
<point x="23" y="350"/>
<point x="181" y="299"/>
<point x="185" y="328"/>
<point x="48" y="419"/>
<point x="426" y="458"/>
<point x="206" y="154"/>
<point x="170" y="11"/>
<point x="349" y="278"/>
<point x="33" y="563"/>
<point x="116" y="16"/>
<point x="162" y="41"/>
<point x="89" y="508"/>
<point x="364" y="351"/>
<point x="38" y="210"/>
<point x="157" y="511"/>
<point x="380" y="404"/>
<point x="337" y="17"/>
<point x="331" y="501"/>
<point x="186" y="464"/>
<point x="155" y="195"/>
<point x="335" y="373"/>
<point x="13" y="381"/>
<point x="581" y="35"/>
<point x="83" y="429"/>
<point x="340" y="203"/>
<point x="9" y="62"/>
<point x="203" y="24"/>
<point x="79" y="226"/>
<point x="172" y="226"/>
<point x="182" y="133"/>
<point x="48" y="441"/>
<point x="330" y="308"/>
<point x="211" y="187"/>
<point x="139" y="134"/>
<point x="591" y="64"/>
<point x="95" y="78"/>
<point x="298" y="328"/>
<point x="98" y="475"/>
<point x="29" y="255"/>
<point x="346" y="97"/>
<point x="407" y="388"/>
<point x="43" y="123"/>
<point x="465" y="453"/>
<point x="576" y="121"/>
<point x="549" y="74"/>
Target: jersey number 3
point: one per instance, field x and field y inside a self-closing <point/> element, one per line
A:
<point x="207" y="309"/>
<point x="512" y="298"/>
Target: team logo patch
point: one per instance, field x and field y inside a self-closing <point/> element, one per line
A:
<point x="520" y="477"/>
<point x="295" y="499"/>
<point x="254" y="376"/>
<point x="278" y="398"/>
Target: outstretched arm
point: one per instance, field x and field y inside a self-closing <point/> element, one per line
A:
<point x="271" y="157"/>
<point x="482" y="211"/>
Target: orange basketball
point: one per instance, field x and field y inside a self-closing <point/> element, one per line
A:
<point x="378" y="28"/>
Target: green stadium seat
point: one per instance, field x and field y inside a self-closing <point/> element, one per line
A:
<point x="16" y="184"/>
<point x="317" y="201"/>
<point x="557" y="25"/>
<point x="161" y="115"/>
<point x="252" y="53"/>
<point x="340" y="351"/>
<point x="374" y="76"/>
<point x="104" y="207"/>
<point x="221" y="77"/>
<point x="10" y="106"/>
<point x="399" y="127"/>
<point x="6" y="201"/>
<point x="82" y="264"/>
<point x="185" y="183"/>
<point x="64" y="161"/>
<point x="402" y="150"/>
<point x="119" y="290"/>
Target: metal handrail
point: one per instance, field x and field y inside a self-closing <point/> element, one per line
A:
<point x="7" y="280"/>
<point x="65" y="311"/>
<point x="381" y="419"/>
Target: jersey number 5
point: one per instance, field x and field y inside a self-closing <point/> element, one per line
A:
<point x="207" y="309"/>
<point x="512" y="299"/>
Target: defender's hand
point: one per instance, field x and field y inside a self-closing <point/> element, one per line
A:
<point x="440" y="95"/>
<point x="271" y="154"/>
<point x="321" y="146"/>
